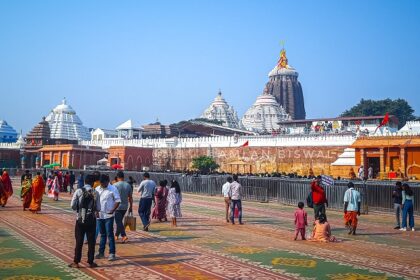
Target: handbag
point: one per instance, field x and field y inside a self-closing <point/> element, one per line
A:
<point x="130" y="222"/>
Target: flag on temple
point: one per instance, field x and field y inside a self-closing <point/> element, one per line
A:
<point x="383" y="122"/>
<point x="246" y="144"/>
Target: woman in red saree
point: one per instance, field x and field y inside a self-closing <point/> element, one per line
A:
<point x="26" y="192"/>
<point x="38" y="190"/>
<point x="161" y="194"/>
<point x="7" y="188"/>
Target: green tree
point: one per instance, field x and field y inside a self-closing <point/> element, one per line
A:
<point x="398" y="107"/>
<point x="205" y="164"/>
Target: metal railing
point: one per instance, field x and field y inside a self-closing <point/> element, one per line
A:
<point x="376" y="195"/>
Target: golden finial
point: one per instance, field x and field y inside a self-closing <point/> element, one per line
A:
<point x="282" y="63"/>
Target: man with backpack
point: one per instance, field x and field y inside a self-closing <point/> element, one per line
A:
<point x="84" y="202"/>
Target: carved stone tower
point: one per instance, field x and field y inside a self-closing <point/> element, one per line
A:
<point x="286" y="88"/>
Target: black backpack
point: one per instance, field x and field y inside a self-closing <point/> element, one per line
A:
<point x="87" y="207"/>
<point x="310" y="201"/>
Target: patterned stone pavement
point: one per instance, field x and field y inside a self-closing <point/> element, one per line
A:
<point x="204" y="246"/>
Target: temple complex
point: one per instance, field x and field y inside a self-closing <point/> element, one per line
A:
<point x="220" y="110"/>
<point x="283" y="84"/>
<point x="65" y="124"/>
<point x="264" y="115"/>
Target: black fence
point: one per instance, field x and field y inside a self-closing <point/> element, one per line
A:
<point x="376" y="195"/>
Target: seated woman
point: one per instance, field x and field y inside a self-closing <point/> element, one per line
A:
<point x="322" y="231"/>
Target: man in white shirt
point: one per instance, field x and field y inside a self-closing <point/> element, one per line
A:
<point x="351" y="208"/>
<point x="109" y="200"/>
<point x="235" y="194"/>
<point x="225" y="192"/>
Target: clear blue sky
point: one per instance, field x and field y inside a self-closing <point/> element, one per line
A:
<point x="115" y="60"/>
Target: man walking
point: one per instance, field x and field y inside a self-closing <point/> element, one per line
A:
<point x="72" y="181"/>
<point x="351" y="208"/>
<point x="397" y="197"/>
<point x="126" y="195"/>
<point x="235" y="195"/>
<point x="225" y="192"/>
<point x="84" y="202"/>
<point x="147" y="190"/>
<point x="318" y="197"/>
<point x="109" y="201"/>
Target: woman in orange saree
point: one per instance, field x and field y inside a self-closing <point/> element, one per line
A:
<point x="7" y="188"/>
<point x="322" y="231"/>
<point x="38" y="190"/>
<point x="26" y="192"/>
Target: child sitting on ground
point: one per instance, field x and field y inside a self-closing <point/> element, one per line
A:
<point x="301" y="221"/>
<point x="322" y="230"/>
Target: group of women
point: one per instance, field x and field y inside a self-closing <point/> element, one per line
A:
<point x="32" y="192"/>
<point x="167" y="200"/>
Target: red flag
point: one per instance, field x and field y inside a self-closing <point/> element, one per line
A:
<point x="383" y="122"/>
<point x="246" y="144"/>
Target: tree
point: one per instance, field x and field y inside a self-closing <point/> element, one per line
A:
<point x="204" y="163"/>
<point x="398" y="107"/>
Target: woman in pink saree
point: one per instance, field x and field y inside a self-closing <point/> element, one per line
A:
<point x="54" y="191"/>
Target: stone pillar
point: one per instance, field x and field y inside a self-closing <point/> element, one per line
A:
<point x="363" y="158"/>
<point x="51" y="158"/>
<point x="60" y="156"/>
<point x="381" y="163"/>
<point x="402" y="162"/>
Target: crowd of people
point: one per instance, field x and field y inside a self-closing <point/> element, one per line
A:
<point x="100" y="203"/>
<point x="403" y="198"/>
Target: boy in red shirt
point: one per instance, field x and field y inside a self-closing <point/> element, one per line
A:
<point x="301" y="221"/>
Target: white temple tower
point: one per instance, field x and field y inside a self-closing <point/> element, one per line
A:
<point x="220" y="110"/>
<point x="65" y="124"/>
<point x="264" y="115"/>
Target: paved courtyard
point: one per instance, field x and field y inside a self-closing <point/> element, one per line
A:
<point x="204" y="246"/>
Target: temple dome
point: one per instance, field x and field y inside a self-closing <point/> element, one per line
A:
<point x="284" y="85"/>
<point x="65" y="124"/>
<point x="7" y="133"/>
<point x="264" y="115"/>
<point x="289" y="71"/>
<point x="220" y="110"/>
